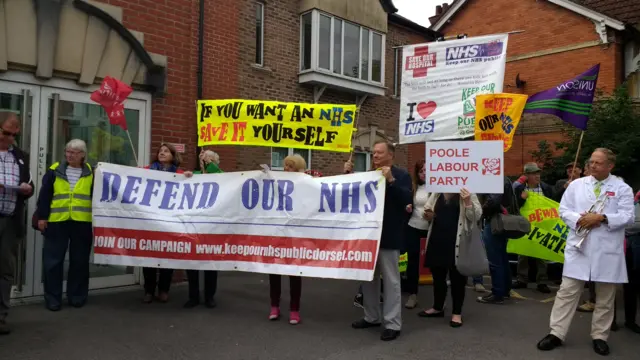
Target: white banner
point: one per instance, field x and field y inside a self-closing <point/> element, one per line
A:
<point x="266" y="222"/>
<point x="440" y="81"/>
<point x="477" y="166"/>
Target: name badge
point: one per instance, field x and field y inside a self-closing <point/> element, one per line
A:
<point x="610" y="193"/>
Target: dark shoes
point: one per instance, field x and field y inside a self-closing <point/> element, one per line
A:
<point x="633" y="327"/>
<point x="190" y="304"/>
<point x="53" y="307"/>
<point x="77" y="304"/>
<point x="601" y="347"/>
<point x="4" y="328"/>
<point x="388" y="335"/>
<point x="549" y="342"/>
<point x="543" y="288"/>
<point x="363" y="324"/>
<point x="490" y="299"/>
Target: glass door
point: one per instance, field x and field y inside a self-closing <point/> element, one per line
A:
<point x="24" y="100"/>
<point x="67" y="115"/>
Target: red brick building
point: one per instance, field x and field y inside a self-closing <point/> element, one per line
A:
<point x="55" y="53"/>
<point x="557" y="40"/>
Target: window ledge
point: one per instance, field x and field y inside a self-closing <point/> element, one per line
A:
<point x="342" y="83"/>
<point x="262" y="68"/>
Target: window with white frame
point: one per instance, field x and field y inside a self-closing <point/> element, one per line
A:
<point x="397" y="70"/>
<point x="345" y="49"/>
<point x="259" y="33"/>
<point x="278" y="155"/>
<point x="361" y="161"/>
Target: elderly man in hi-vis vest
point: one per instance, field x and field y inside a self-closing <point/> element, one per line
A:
<point x="596" y="208"/>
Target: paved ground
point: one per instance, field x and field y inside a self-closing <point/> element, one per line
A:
<point x="119" y="326"/>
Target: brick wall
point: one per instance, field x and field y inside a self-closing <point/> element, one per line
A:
<point x="546" y="26"/>
<point x="278" y="80"/>
<point x="171" y="29"/>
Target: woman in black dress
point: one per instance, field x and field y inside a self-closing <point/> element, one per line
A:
<point x="452" y="218"/>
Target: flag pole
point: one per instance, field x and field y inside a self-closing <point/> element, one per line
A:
<point x="353" y="134"/>
<point x="575" y="161"/>
<point x="135" y="156"/>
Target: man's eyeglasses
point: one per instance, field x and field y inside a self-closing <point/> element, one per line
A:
<point x="8" y="133"/>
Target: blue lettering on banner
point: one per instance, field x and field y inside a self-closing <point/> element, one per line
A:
<point x="205" y="193"/>
<point x="351" y="191"/>
<point x="419" y="127"/>
<point x="337" y="116"/>
<point x="350" y="199"/>
<point x="251" y="194"/>
<point x="131" y="187"/>
<point x="492" y="49"/>
<point x="268" y="194"/>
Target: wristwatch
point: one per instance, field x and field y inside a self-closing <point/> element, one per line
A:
<point x="605" y="220"/>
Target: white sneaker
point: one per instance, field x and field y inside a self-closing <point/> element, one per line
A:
<point x="479" y="288"/>
<point x="412" y="302"/>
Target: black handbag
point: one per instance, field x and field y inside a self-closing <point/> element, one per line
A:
<point x="510" y="226"/>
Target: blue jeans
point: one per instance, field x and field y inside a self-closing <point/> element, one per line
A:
<point x="496" y="246"/>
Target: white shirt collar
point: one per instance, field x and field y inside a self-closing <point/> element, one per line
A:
<point x="603" y="182"/>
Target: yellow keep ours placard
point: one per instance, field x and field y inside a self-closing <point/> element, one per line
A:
<point x="498" y="116"/>
<point x="269" y="123"/>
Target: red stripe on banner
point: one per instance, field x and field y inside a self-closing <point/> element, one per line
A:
<point x="342" y="254"/>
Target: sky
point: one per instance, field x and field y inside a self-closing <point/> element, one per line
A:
<point x="418" y="11"/>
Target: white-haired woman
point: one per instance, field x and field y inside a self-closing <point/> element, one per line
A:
<point x="209" y="162"/>
<point x="64" y="218"/>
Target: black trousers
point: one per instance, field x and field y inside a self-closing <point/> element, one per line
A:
<point x="631" y="289"/>
<point x="210" y="284"/>
<point x="151" y="280"/>
<point x="458" y="283"/>
<point x="76" y="236"/>
<point x="412" y="245"/>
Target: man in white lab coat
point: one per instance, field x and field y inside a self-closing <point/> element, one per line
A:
<point x="600" y="258"/>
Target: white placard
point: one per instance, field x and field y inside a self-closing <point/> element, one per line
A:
<point x="440" y="81"/>
<point x="257" y="221"/>
<point x="477" y="166"/>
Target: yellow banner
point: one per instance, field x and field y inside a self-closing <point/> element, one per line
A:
<point x="269" y="123"/>
<point x="498" y="116"/>
<point x="548" y="235"/>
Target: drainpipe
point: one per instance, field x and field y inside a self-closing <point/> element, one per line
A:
<point x="200" y="64"/>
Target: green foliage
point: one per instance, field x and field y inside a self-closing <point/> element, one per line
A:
<point x="613" y="124"/>
<point x="544" y="157"/>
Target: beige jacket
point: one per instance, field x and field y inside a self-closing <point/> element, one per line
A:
<point x="469" y="217"/>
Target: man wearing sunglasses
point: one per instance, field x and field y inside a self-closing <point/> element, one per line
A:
<point x="15" y="188"/>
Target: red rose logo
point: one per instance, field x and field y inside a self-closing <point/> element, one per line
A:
<point x="491" y="166"/>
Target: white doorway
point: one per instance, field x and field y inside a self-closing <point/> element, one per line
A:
<point x="51" y="116"/>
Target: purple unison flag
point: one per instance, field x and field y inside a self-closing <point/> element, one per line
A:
<point x="571" y="101"/>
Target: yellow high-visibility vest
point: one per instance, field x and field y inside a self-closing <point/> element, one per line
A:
<point x="71" y="205"/>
